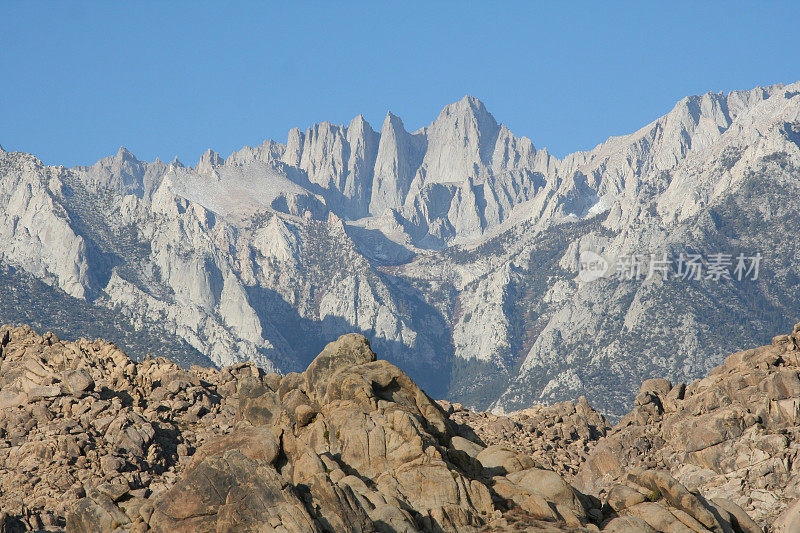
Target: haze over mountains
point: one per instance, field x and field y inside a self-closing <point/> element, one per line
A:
<point x="455" y="249"/>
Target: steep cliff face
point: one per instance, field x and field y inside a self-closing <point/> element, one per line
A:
<point x="399" y="156"/>
<point x="36" y="230"/>
<point x="456" y="249"/>
<point x="340" y="159"/>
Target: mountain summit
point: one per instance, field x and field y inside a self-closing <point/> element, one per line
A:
<point x="456" y="249"/>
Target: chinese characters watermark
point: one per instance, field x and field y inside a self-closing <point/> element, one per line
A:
<point x="717" y="266"/>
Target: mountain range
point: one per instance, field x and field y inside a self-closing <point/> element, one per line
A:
<point x="458" y="249"/>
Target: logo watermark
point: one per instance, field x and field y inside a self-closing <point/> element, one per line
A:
<point x="717" y="266"/>
<point x="593" y="266"/>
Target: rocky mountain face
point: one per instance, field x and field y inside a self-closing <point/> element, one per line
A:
<point x="93" y="441"/>
<point x="456" y="249"/>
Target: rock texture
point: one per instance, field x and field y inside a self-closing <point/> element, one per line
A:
<point x="454" y="248"/>
<point x="92" y="441"/>
<point x="732" y="435"/>
<point x="558" y="436"/>
<point x="352" y="444"/>
<point x="80" y="418"/>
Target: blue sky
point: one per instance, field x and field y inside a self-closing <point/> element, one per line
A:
<point x="78" y="80"/>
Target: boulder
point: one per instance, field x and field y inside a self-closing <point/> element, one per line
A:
<point x="552" y="488"/>
<point x="77" y="382"/>
<point x="91" y="515"/>
<point x="739" y="519"/>
<point x="498" y="460"/>
<point x="675" y="493"/>
<point x="230" y="492"/>
<point x="628" y="524"/>
<point x="789" y="520"/>
<point x="467" y="446"/>
<point x="658" y="518"/>
<point x="255" y="443"/>
<point x="621" y="497"/>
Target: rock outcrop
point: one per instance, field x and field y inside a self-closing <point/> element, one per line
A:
<point x="732" y="436"/>
<point x="558" y="437"/>
<point x="80" y="418"/>
<point x="92" y="441"/>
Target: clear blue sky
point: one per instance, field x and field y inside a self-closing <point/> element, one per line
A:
<point x="77" y="80"/>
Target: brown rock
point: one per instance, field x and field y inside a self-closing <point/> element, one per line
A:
<point x="628" y="524"/>
<point x="77" y="382"/>
<point x="498" y="460"/>
<point x="110" y="464"/>
<point x="470" y="448"/>
<point x="675" y="493"/>
<point x="658" y="517"/>
<point x="96" y="514"/>
<point x="229" y="492"/>
<point x="621" y="497"/>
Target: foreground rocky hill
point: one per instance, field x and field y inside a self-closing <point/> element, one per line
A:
<point x="92" y="441"/>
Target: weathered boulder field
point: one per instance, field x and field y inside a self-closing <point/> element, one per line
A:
<point x="93" y="441"/>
